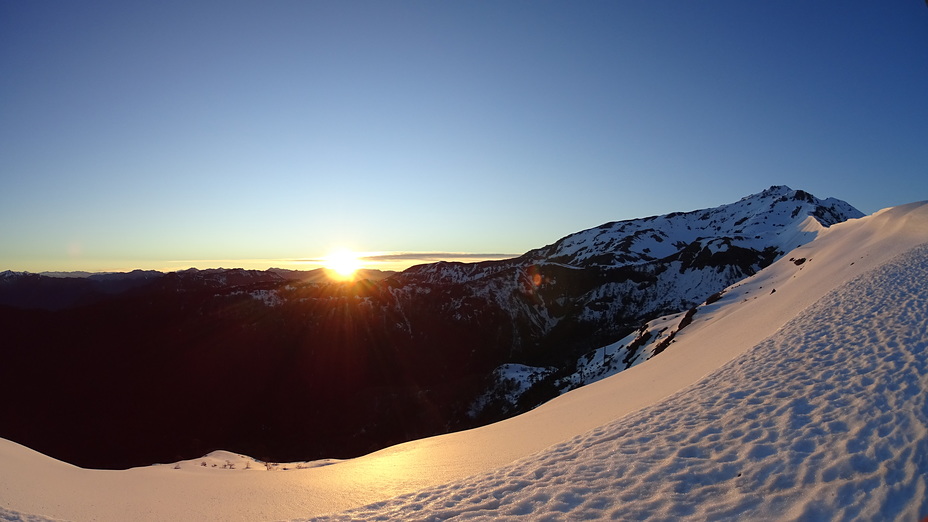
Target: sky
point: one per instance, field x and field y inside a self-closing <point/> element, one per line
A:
<point x="168" y="135"/>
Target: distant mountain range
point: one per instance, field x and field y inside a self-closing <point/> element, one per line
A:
<point x="136" y="366"/>
<point x="60" y="290"/>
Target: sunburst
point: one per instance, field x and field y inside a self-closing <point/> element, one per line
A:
<point x="342" y="264"/>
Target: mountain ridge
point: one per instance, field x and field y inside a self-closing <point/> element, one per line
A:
<point x="412" y="355"/>
<point x="698" y="420"/>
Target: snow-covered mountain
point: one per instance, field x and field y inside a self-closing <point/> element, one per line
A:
<point x="604" y="290"/>
<point x="804" y="403"/>
<point x="436" y="348"/>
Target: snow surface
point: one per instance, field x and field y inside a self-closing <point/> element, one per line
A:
<point x="814" y="394"/>
<point x="826" y="419"/>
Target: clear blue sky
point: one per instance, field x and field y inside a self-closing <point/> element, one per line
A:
<point x="175" y="134"/>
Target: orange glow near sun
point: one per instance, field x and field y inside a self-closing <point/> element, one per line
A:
<point x="342" y="264"/>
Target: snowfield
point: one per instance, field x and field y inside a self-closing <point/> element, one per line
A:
<point x="800" y="394"/>
<point x="825" y="420"/>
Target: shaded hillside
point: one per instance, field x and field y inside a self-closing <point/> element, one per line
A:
<point x="319" y="369"/>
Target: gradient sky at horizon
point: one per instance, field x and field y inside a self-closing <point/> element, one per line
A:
<point x="173" y="134"/>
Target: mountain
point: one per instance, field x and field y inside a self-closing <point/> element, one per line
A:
<point x="436" y="348"/>
<point x="807" y="403"/>
<point x="62" y="290"/>
<point x="57" y="290"/>
<point x="603" y="284"/>
<point x="804" y="403"/>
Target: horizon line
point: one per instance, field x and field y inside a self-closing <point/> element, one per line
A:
<point x="395" y="261"/>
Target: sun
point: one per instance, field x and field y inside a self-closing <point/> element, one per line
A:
<point x="342" y="264"/>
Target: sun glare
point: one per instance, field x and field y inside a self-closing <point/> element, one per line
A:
<point x="342" y="264"/>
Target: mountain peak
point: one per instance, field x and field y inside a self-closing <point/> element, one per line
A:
<point x="773" y="190"/>
<point x="771" y="217"/>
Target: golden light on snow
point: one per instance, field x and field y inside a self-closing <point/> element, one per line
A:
<point x="342" y="264"/>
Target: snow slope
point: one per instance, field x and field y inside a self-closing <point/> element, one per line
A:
<point x="814" y="394"/>
<point x="825" y="420"/>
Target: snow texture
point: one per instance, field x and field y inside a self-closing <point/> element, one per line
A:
<point x="827" y="419"/>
